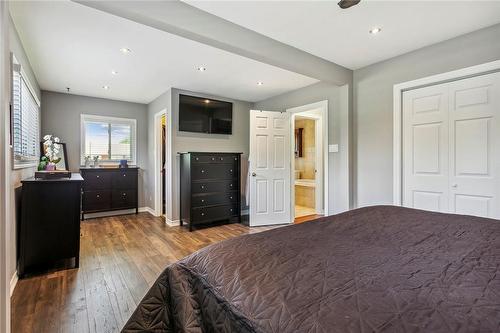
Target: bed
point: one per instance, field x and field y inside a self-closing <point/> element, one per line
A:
<point x="374" y="269"/>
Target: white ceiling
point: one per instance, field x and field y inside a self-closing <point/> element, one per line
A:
<point x="70" y="45"/>
<point x="341" y="36"/>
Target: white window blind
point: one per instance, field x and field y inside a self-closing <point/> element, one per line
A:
<point x="25" y="121"/>
<point x="112" y="139"/>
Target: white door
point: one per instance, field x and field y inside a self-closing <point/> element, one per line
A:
<point x="269" y="168"/>
<point x="425" y="148"/>
<point x="475" y="146"/>
<point x="451" y="147"/>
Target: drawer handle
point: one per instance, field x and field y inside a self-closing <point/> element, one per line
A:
<point x="202" y="214"/>
<point x="202" y="200"/>
<point x="235" y="158"/>
<point x="197" y="158"/>
<point x="202" y="171"/>
<point x="230" y="185"/>
<point x="231" y="210"/>
<point x="124" y="194"/>
<point x="202" y="187"/>
<point x="97" y="176"/>
<point x="230" y="198"/>
<point x="222" y="158"/>
<point x="98" y="196"/>
<point x="213" y="158"/>
<point x="231" y="171"/>
<point x="124" y="175"/>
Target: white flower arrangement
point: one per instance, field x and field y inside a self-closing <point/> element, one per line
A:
<point x="52" y="148"/>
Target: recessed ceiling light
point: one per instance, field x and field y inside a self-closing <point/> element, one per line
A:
<point x="260" y="83"/>
<point x="125" y="50"/>
<point x="105" y="87"/>
<point x="114" y="72"/>
<point x="375" y="30"/>
<point x="201" y="68"/>
<point x="206" y="101"/>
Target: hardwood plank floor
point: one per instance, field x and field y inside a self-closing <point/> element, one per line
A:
<point x="302" y="219"/>
<point x="120" y="258"/>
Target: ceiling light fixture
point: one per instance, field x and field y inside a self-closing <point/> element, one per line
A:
<point x="375" y="30"/>
<point x="206" y="101"/>
<point x="201" y="68"/>
<point x="125" y="50"/>
<point x="114" y="72"/>
<point x="260" y="83"/>
<point x="344" y="4"/>
<point x="105" y="87"/>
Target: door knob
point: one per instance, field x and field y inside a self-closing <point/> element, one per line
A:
<point x="254" y="174"/>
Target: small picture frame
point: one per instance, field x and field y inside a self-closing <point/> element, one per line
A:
<point x="63" y="163"/>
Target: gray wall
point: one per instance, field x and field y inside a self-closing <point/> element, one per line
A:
<point x="337" y="132"/>
<point x="17" y="175"/>
<point x="185" y="141"/>
<point x="161" y="103"/>
<point x="61" y="117"/>
<point x="373" y="103"/>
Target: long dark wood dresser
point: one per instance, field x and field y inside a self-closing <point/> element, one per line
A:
<point x="109" y="189"/>
<point x="209" y="188"/>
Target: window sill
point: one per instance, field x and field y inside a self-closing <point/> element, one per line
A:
<point x="25" y="166"/>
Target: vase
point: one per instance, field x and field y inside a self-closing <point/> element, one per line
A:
<point x="50" y="167"/>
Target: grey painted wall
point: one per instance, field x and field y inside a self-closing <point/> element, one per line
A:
<point x="373" y="104"/>
<point x="185" y="141"/>
<point x="61" y="117"/>
<point x="17" y="175"/>
<point x="161" y="103"/>
<point x="338" y="130"/>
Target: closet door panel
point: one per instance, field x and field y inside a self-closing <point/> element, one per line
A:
<point x="425" y="148"/>
<point x="475" y="146"/>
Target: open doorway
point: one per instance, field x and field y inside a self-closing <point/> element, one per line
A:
<point x="309" y="188"/>
<point x="305" y="166"/>
<point x="160" y="123"/>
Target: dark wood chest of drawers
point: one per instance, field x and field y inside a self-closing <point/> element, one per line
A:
<point x="49" y="230"/>
<point x="108" y="189"/>
<point x="210" y="187"/>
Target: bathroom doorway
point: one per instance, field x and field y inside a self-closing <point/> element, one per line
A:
<point x="309" y="179"/>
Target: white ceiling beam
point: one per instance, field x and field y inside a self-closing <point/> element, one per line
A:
<point x="181" y="19"/>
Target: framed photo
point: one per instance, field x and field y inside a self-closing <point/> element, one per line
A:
<point x="63" y="163"/>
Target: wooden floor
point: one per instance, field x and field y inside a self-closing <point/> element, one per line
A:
<point x="120" y="259"/>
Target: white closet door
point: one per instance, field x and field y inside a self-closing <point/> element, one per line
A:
<point x="451" y="147"/>
<point x="474" y="146"/>
<point x="425" y="148"/>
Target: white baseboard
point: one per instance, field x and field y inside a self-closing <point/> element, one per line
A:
<point x="172" y="223"/>
<point x="147" y="210"/>
<point x="13" y="283"/>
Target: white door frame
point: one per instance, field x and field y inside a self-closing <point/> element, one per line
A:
<point x="158" y="166"/>
<point x="322" y="108"/>
<point x="399" y="89"/>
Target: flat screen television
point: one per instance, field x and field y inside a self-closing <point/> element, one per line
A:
<point x="204" y="115"/>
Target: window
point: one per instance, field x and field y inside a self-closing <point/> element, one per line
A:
<point x="110" y="138"/>
<point x="25" y="120"/>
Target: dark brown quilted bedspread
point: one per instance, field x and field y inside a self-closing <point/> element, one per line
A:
<point x="375" y="269"/>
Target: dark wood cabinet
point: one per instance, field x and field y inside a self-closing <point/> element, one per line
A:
<point x="49" y="230"/>
<point x="210" y="188"/>
<point x="108" y="189"/>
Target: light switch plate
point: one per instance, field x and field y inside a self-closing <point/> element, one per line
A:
<point x="333" y="148"/>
